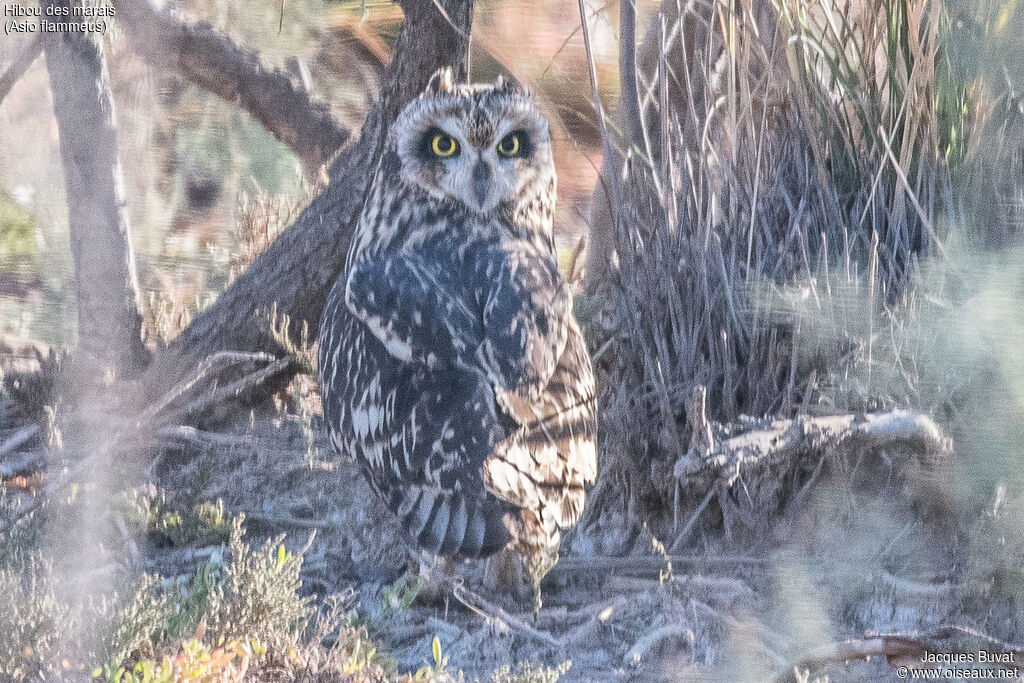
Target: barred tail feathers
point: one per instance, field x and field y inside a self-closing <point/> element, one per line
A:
<point x="449" y="523"/>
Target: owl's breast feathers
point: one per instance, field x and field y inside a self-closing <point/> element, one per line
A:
<point x="455" y="372"/>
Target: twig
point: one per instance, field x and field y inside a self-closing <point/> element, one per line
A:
<point x="685" y="533"/>
<point x="20" y="438"/>
<point x="721" y="587"/>
<point x="308" y="544"/>
<point x="643" y="564"/>
<point x="298" y="522"/>
<point x="198" y="436"/>
<point x="591" y="626"/>
<point x="492" y="612"/>
<point x="806" y="488"/>
<point x="931" y="590"/>
<point x="210" y="365"/>
<point x="238" y="387"/>
<point x="910" y="192"/>
<point x="655" y="638"/>
<point x="19" y="66"/>
<point x="133" y="549"/>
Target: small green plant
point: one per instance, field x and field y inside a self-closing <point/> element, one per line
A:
<point x="140" y="617"/>
<point x="436" y="670"/>
<point x="45" y="633"/>
<point x="205" y="523"/>
<point x="258" y="596"/>
<point x="37" y="627"/>
<point x="399" y="596"/>
<point x="193" y="598"/>
<point x="363" y="654"/>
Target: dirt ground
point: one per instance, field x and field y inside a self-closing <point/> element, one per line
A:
<point x="723" y="609"/>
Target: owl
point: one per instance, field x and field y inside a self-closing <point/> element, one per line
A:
<point x="451" y="366"/>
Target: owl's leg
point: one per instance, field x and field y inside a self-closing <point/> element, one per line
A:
<point x="505" y="576"/>
<point x="536" y="566"/>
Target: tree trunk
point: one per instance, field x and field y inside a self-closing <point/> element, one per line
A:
<point x="109" y="323"/>
<point x="297" y="271"/>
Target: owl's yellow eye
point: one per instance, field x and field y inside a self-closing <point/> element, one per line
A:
<point x="509" y="145"/>
<point x="443" y="145"/>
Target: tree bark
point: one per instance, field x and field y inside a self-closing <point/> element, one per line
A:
<point x="297" y="271"/>
<point x="109" y="323"/>
<point x="214" y="63"/>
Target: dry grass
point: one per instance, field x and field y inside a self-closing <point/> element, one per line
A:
<point x="774" y="256"/>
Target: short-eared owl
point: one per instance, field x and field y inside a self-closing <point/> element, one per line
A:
<point x="451" y="365"/>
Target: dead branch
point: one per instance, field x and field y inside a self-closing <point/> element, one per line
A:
<point x="31" y="461"/>
<point x="890" y="647"/>
<point x="216" y="64"/>
<point x="653" y="640"/>
<point x="782" y="440"/>
<point x="592" y="626"/>
<point x="493" y="613"/>
<point x="22" y="61"/>
<point x="642" y="565"/>
<point x="188" y="434"/>
<point x="238" y="388"/>
<point x="210" y="367"/>
<point x="721" y="587"/>
<point x="17" y="440"/>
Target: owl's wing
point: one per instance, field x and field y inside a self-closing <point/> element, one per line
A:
<point x="525" y="320"/>
<point x="399" y="298"/>
<point x="511" y="328"/>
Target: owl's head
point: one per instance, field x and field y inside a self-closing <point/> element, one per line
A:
<point x="479" y="145"/>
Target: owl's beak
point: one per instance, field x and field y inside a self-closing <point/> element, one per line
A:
<point x="481" y="181"/>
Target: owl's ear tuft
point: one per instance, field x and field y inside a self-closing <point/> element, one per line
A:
<point x="510" y="85"/>
<point x="443" y="81"/>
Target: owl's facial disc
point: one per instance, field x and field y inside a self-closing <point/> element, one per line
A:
<point x="480" y="147"/>
<point x="479" y="167"/>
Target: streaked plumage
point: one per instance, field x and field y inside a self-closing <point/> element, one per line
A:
<point x="451" y="365"/>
